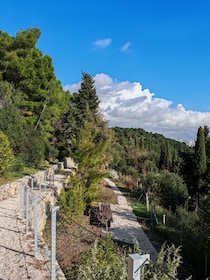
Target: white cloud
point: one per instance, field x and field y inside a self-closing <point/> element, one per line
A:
<point x="125" y="47"/>
<point x="72" y="88"/>
<point x="101" y="44"/>
<point x="127" y="104"/>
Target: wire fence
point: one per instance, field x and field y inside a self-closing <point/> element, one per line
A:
<point x="53" y="233"/>
<point x="56" y="236"/>
<point x="37" y="199"/>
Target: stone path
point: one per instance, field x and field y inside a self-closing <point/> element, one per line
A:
<point x="17" y="259"/>
<point x="125" y="226"/>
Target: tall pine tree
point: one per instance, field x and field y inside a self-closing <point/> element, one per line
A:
<point x="87" y="94"/>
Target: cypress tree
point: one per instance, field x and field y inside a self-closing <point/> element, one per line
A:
<point x="165" y="156"/>
<point x="200" y="153"/>
<point x="200" y="163"/>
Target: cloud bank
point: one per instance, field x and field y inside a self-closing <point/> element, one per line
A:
<point x="127" y="104"/>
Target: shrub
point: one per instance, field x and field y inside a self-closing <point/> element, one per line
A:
<point x="103" y="262"/>
<point x="6" y="153"/>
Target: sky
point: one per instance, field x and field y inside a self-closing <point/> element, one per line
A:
<point x="150" y="58"/>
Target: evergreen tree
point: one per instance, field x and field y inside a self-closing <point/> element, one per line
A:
<point x="200" y="153"/>
<point x="165" y="156"/>
<point x="82" y="104"/>
<point x="92" y="154"/>
<point x="200" y="161"/>
<point x="87" y="94"/>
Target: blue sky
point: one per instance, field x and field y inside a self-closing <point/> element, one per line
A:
<point x="162" y="46"/>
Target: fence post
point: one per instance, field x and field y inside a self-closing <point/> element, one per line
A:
<point x="147" y="201"/>
<point x="32" y="183"/>
<point x="36" y="197"/>
<point x="52" y="179"/>
<point x="45" y="179"/>
<point x="53" y="242"/>
<point x="22" y="202"/>
<point x="135" y="262"/>
<point x="27" y="209"/>
<point x="40" y="183"/>
<point x="164" y="219"/>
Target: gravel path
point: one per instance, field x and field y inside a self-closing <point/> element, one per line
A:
<point x="125" y="226"/>
<point x="17" y="259"/>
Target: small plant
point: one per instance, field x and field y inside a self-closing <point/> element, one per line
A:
<point x="104" y="262"/>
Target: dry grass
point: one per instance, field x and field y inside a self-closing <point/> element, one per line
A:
<point x="107" y="194"/>
<point x="72" y="238"/>
<point x="76" y="237"/>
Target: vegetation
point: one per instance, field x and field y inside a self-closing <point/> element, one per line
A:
<point x="6" y="153"/>
<point x="105" y="261"/>
<point x="40" y="123"/>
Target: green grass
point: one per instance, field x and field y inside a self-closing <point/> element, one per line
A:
<point x="140" y="210"/>
<point x="168" y="233"/>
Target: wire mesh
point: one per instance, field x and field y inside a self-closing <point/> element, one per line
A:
<point x="72" y="236"/>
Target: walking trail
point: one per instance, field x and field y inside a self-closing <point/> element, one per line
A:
<point x="17" y="259"/>
<point x="125" y="226"/>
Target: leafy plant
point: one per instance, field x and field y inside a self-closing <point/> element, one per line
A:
<point x="103" y="262"/>
<point x="6" y="153"/>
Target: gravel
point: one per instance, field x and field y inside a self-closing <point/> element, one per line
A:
<point x="125" y="227"/>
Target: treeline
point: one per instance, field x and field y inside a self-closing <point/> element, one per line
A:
<point x="40" y="123"/>
<point x="138" y="151"/>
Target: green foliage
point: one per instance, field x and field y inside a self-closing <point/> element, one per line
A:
<point x="168" y="262"/>
<point x="140" y="210"/>
<point x="171" y="190"/>
<point x="103" y="262"/>
<point x="166" y="188"/>
<point x="6" y="153"/>
<point x="82" y="105"/>
<point x="72" y="201"/>
<point x="92" y="154"/>
<point x="147" y="151"/>
<point x="6" y="93"/>
<point x="165" y="156"/>
<point x="200" y="153"/>
<point x="200" y="163"/>
<point x="17" y="165"/>
<point x="87" y="98"/>
<point x="29" y="90"/>
<point x="12" y="123"/>
<point x="195" y="238"/>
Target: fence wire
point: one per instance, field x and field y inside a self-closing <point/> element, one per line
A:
<point x="69" y="238"/>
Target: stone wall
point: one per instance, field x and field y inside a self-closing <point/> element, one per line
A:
<point x="47" y="198"/>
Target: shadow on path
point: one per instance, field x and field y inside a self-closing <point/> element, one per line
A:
<point x="16" y="231"/>
<point x="16" y="251"/>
